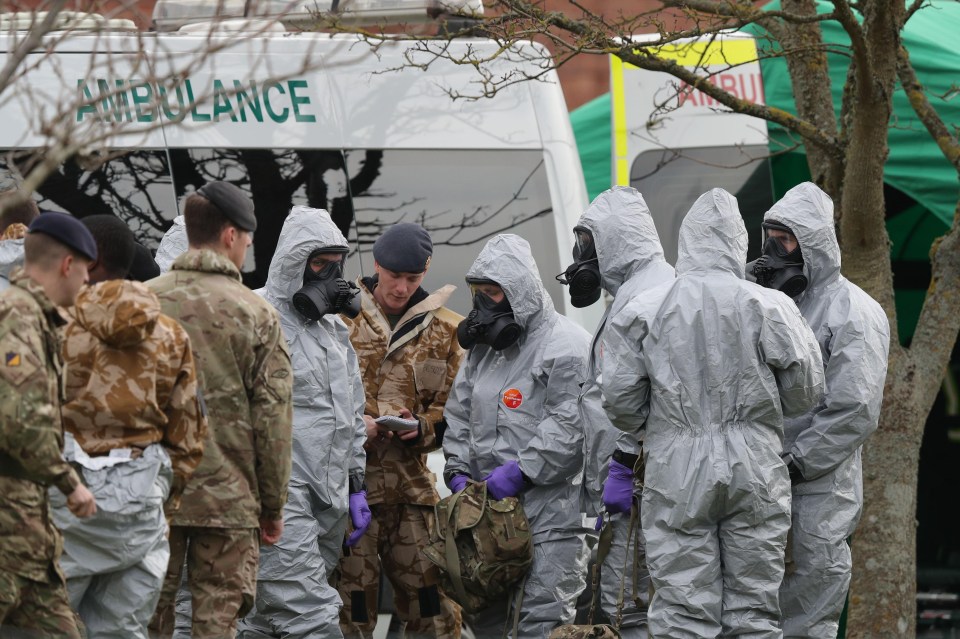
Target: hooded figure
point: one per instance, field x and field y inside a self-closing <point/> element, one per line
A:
<point x="822" y="447"/>
<point x="513" y="422"/>
<point x="135" y="428"/>
<point x="173" y="244"/>
<point x="294" y="597"/>
<point x="630" y="261"/>
<point x="710" y="364"/>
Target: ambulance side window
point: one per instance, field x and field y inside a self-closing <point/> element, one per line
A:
<point x="671" y="180"/>
<point x="463" y="197"/>
<point x="134" y="185"/>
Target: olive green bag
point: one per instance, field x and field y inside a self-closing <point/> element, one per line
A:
<point x="482" y="546"/>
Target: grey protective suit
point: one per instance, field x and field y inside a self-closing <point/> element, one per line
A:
<point x="173" y="244"/>
<point x="631" y="262"/>
<point x="854" y="338"/>
<point x="11" y="256"/>
<point x="294" y="598"/>
<point x="711" y="364"/>
<point x="539" y="427"/>
<point x="115" y="560"/>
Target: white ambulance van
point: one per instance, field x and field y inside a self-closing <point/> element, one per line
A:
<point x="372" y="134"/>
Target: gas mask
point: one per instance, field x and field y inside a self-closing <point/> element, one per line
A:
<point x="326" y="291"/>
<point x="491" y="323"/>
<point x="778" y="268"/>
<point x="583" y="276"/>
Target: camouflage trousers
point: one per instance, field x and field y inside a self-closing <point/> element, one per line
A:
<point x="221" y="568"/>
<point x="34" y="609"/>
<point x="394" y="539"/>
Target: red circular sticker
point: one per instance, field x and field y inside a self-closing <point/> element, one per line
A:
<point x="512" y="398"/>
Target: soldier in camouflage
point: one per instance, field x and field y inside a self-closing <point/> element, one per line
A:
<point x="236" y="496"/>
<point x="33" y="596"/>
<point x="406" y="341"/>
<point x="131" y="396"/>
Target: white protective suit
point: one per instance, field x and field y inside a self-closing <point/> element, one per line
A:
<point x="115" y="560"/>
<point x="173" y="244"/>
<point x="538" y="426"/>
<point x="711" y="364"/>
<point x="631" y="262"/>
<point x="854" y="338"/>
<point x="11" y="256"/>
<point x="294" y="598"/>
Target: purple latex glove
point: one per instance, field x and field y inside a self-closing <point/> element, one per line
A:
<point x="359" y="515"/>
<point x="618" y="489"/>
<point x="459" y="482"/>
<point x="506" y="480"/>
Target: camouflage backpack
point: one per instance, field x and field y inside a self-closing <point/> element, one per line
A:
<point x="483" y="547"/>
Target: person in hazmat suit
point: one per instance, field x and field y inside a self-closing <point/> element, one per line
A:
<point x="822" y="447"/>
<point x="617" y="250"/>
<point x="711" y="364"/>
<point x="173" y="244"/>
<point x="305" y="283"/>
<point x="513" y="422"/>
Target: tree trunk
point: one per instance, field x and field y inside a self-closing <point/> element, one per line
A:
<point x="883" y="593"/>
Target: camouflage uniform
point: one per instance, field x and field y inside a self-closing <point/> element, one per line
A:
<point x="244" y="371"/>
<point x="410" y="367"/>
<point x="32" y="590"/>
<point x="131" y="385"/>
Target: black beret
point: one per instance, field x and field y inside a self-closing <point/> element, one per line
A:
<point x="67" y="230"/>
<point x="232" y="202"/>
<point x="404" y="248"/>
<point x="143" y="267"/>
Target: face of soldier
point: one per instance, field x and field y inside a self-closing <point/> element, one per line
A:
<point x="75" y="275"/>
<point x="237" y="242"/>
<point x="394" y="290"/>
<point x="494" y="292"/>
<point x="786" y="238"/>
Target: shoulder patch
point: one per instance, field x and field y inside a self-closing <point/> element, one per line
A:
<point x="19" y="364"/>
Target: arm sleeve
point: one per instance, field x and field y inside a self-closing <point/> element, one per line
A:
<point x="790" y="348"/>
<point x="358" y="463"/>
<point x="555" y="453"/>
<point x="430" y="439"/>
<point x="271" y="414"/>
<point x="457" y="415"/>
<point x="624" y="382"/>
<point x="855" y="375"/>
<point x="31" y="432"/>
<point x="186" y="422"/>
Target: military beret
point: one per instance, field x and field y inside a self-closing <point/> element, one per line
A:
<point x="404" y="248"/>
<point x="232" y="202"/>
<point x="67" y="230"/>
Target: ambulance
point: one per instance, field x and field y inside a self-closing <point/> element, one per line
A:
<point x="376" y="133"/>
<point x="673" y="142"/>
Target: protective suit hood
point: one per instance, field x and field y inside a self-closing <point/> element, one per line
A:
<point x="120" y="313"/>
<point x="11" y="257"/>
<point x="624" y="234"/>
<point x="712" y="236"/>
<point x="507" y="260"/>
<point x="173" y="244"/>
<point x="808" y="212"/>
<point x="305" y="230"/>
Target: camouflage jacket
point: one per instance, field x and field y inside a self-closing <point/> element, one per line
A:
<point x="31" y="434"/>
<point x="130" y="378"/>
<point x="244" y="371"/>
<point x="410" y="367"/>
